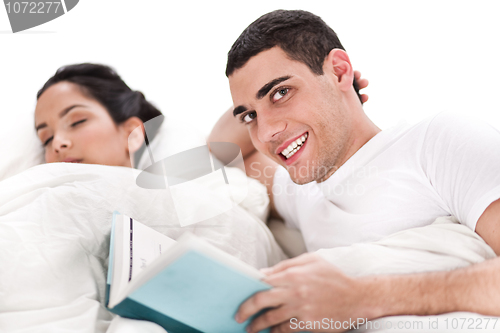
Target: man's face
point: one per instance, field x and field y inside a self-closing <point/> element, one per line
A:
<point x="291" y="111"/>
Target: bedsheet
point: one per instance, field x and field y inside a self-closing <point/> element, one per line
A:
<point x="55" y="222"/>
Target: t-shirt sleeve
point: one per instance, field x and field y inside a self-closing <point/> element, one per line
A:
<point x="461" y="158"/>
<point x="284" y="200"/>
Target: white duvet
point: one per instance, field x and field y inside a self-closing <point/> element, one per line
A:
<point x="54" y="238"/>
<point x="55" y="223"/>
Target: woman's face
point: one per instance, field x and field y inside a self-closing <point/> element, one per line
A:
<point x="76" y="128"/>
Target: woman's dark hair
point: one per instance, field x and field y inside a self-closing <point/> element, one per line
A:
<point x="303" y="36"/>
<point x="103" y="84"/>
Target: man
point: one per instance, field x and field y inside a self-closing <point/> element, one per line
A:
<point x="342" y="180"/>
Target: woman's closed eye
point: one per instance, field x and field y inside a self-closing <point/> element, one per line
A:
<point x="47" y="141"/>
<point x="78" y="122"/>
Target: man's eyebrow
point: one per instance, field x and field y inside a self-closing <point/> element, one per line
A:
<point x="262" y="92"/>
<point x="268" y="86"/>
<point x="61" y="114"/>
<point x="239" y="109"/>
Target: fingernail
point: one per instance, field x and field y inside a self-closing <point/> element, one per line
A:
<point x="237" y="318"/>
<point x="249" y="329"/>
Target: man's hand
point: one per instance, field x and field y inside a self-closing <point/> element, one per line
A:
<point x="310" y="289"/>
<point x="362" y="83"/>
<point x="307" y="288"/>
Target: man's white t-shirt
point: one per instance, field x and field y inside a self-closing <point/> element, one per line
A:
<point x="404" y="177"/>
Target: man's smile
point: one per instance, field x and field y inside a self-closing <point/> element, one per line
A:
<point x="288" y="151"/>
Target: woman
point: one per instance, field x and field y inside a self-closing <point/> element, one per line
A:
<point x="85" y="113"/>
<point x="61" y="219"/>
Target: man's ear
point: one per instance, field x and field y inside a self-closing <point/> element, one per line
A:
<point x="133" y="130"/>
<point x="338" y="63"/>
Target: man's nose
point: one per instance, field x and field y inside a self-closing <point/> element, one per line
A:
<point x="61" y="142"/>
<point x="270" y="126"/>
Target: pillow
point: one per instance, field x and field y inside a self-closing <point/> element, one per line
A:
<point x="21" y="148"/>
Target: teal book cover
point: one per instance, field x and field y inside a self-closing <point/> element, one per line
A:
<point x="193" y="293"/>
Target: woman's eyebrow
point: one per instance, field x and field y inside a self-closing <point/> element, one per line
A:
<point x="61" y="114"/>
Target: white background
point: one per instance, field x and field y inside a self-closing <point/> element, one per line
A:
<point x="421" y="57"/>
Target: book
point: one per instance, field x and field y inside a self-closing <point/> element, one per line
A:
<point x="186" y="285"/>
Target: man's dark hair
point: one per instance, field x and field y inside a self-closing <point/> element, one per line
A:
<point x="303" y="36"/>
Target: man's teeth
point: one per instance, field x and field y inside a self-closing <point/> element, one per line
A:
<point x="294" y="146"/>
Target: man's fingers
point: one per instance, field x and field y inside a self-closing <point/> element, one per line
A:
<point x="261" y="300"/>
<point x="364" y="98"/>
<point x="270" y="318"/>
<point x="357" y="75"/>
<point x="363" y="83"/>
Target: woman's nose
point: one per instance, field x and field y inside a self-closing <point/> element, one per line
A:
<point x="61" y="142"/>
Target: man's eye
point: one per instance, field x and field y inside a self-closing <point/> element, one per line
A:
<point x="47" y="141"/>
<point x="78" y="122"/>
<point x="279" y="94"/>
<point x="249" y="117"/>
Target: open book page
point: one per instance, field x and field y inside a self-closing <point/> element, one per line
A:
<point x="141" y="253"/>
<point x="136" y="246"/>
<point x="146" y="245"/>
<point x="189" y="242"/>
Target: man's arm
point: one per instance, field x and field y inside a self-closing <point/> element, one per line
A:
<point x="488" y="226"/>
<point x="309" y="288"/>
<point x="257" y="165"/>
<point x="230" y="129"/>
<point x="474" y="289"/>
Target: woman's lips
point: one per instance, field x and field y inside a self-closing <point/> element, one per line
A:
<point x="71" y="160"/>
